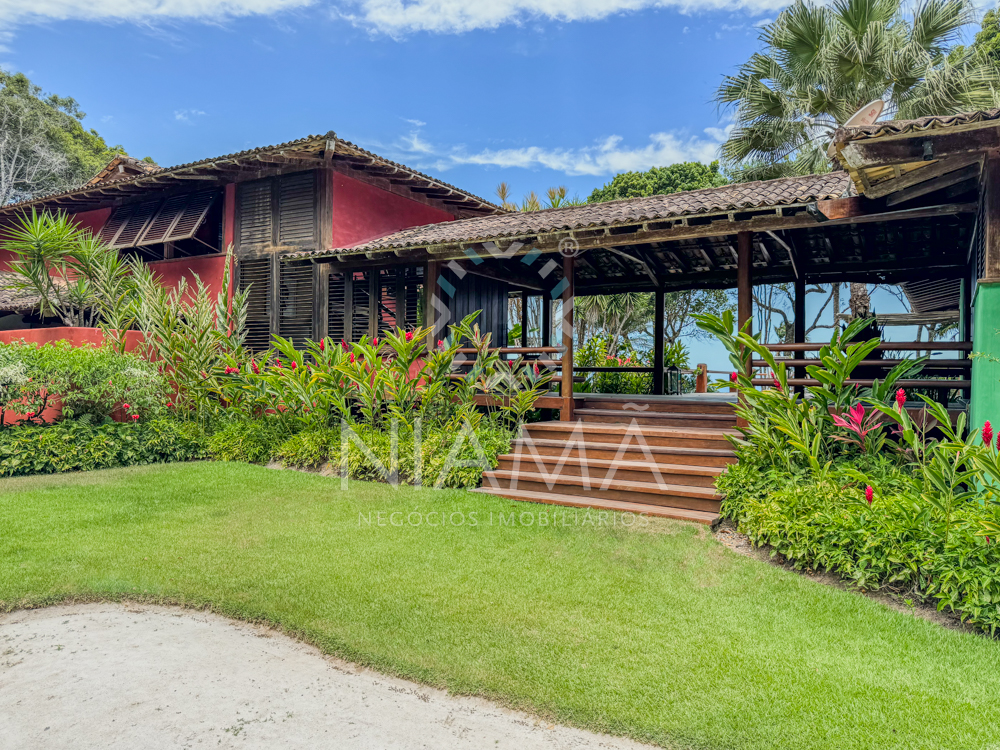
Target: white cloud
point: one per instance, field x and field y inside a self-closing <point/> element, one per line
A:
<point x="609" y="156"/>
<point x="415" y="123"/>
<point x="399" y="17"/>
<point x="185" y="115"/>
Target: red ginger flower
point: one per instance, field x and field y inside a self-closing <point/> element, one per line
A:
<point x="777" y="384"/>
<point x="351" y="358"/>
<point x="126" y="407"/>
<point x="987" y="433"/>
<point x="343" y="345"/>
<point x="869" y="494"/>
<point x="170" y="404"/>
<point x="135" y="417"/>
<point x="375" y="342"/>
<point x="409" y="335"/>
<point x="732" y="377"/>
<point x="440" y="344"/>
<point x="536" y="368"/>
<point x="322" y="345"/>
<point x="900" y="398"/>
<point x="294" y="365"/>
<point x="253" y="366"/>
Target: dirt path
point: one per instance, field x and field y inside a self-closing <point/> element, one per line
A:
<point x="129" y="676"/>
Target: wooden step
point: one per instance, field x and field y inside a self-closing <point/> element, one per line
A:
<point x="598" y="470"/>
<point x="592" y="447"/>
<point x="579" y="501"/>
<point x="681" y="406"/>
<point x="648" y="493"/>
<point x="658" y="418"/>
<point x="619" y="433"/>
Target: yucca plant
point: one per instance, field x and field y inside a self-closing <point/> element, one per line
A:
<point x="819" y="64"/>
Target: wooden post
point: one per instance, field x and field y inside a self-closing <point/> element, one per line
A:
<point x="546" y="319"/>
<point x="991" y="214"/>
<point x="566" y="413"/>
<point x="431" y="293"/>
<point x="658" y="389"/>
<point x="524" y="319"/>
<point x="799" y="332"/>
<point x="744" y="279"/>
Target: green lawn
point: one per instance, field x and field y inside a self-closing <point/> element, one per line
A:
<point x="659" y="633"/>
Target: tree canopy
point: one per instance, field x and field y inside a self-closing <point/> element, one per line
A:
<point x="43" y="143"/>
<point x="689" y="175"/>
<point x="819" y="64"/>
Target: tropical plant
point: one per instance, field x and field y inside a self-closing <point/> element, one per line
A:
<point x="675" y="178"/>
<point x="821" y="63"/>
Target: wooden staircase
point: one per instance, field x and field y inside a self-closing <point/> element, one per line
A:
<point x="654" y="456"/>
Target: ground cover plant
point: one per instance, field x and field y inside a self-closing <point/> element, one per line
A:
<point x="853" y="480"/>
<point x="651" y="629"/>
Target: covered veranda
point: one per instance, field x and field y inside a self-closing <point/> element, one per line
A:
<point x="816" y="229"/>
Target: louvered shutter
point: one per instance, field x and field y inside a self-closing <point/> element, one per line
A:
<point x="361" y="305"/>
<point x="115" y="223"/>
<point x="192" y="216"/>
<point x="256" y="274"/>
<point x="337" y="308"/>
<point x="413" y="281"/>
<point x="388" y="304"/>
<point x="255" y="213"/>
<point x="297" y="210"/>
<point x="165" y="218"/>
<point x="135" y="224"/>
<point x="296" y="301"/>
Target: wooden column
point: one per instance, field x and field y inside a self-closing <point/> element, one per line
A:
<point x="566" y="413"/>
<point x="431" y="292"/>
<point x="546" y="319"/>
<point x="991" y="214"/>
<point x="799" y="327"/>
<point x="658" y="343"/>
<point x="744" y="279"/>
<point x="524" y="319"/>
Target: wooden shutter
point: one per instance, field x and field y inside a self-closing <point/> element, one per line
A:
<point x="297" y="210"/>
<point x="413" y="285"/>
<point x="191" y="216"/>
<point x="360" y="305"/>
<point x="388" y="300"/>
<point x="135" y="224"/>
<point x="337" y="310"/>
<point x="255" y="213"/>
<point x="296" y="298"/>
<point x="256" y="274"/>
<point x="163" y="221"/>
<point x="115" y="223"/>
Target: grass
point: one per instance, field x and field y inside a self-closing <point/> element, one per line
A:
<point x="657" y="632"/>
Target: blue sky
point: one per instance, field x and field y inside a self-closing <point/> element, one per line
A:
<point x="533" y="99"/>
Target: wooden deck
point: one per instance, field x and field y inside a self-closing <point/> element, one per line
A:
<point x="657" y="455"/>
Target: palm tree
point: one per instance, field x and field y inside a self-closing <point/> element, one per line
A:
<point x="555" y="197"/>
<point x="821" y="63"/>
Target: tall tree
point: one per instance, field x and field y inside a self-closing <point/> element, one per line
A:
<point x="689" y="175"/>
<point x="43" y="143"/>
<point x="821" y="63"/>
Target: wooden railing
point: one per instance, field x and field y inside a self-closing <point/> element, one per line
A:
<point x="954" y="373"/>
<point x="535" y="355"/>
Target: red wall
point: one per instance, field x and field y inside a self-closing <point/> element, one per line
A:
<point x="362" y="212"/>
<point x="210" y="269"/>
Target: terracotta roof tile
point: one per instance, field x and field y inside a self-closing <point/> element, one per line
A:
<point x="13" y="299"/>
<point x="921" y="124"/>
<point x="742" y="196"/>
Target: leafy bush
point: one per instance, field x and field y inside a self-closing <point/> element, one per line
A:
<point x="79" y="445"/>
<point x="851" y="480"/>
<point x="252" y="441"/>
<point x="447" y="459"/>
<point x="594" y="353"/>
<point x="86" y="381"/>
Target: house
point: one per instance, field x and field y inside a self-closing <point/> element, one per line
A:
<point x="308" y="195"/>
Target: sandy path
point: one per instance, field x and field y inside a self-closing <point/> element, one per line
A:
<point x="131" y="676"/>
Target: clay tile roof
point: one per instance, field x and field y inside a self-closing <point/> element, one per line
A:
<point x="742" y="196"/>
<point x="122" y="167"/>
<point x="919" y="125"/>
<point x="13" y="299"/>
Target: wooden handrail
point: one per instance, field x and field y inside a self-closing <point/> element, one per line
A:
<point x="518" y="350"/>
<point x="932" y="363"/>
<point x="929" y="383"/>
<point x="885" y="346"/>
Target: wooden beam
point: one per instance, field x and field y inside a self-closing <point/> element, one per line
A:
<point x="933" y="184"/>
<point x="913" y="148"/>
<point x="922" y="174"/>
<point x="792" y="256"/>
<point x="534" y="283"/>
<point x="635" y="258"/>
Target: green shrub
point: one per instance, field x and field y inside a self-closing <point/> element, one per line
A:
<point x="87" y="381"/>
<point x="251" y="441"/>
<point x="79" y="445"/>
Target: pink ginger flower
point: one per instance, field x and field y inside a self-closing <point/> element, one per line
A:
<point x="987" y="433"/>
<point x="733" y="377"/>
<point x="869" y="494"/>
<point x="900" y="398"/>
